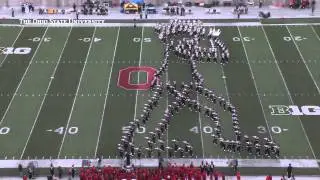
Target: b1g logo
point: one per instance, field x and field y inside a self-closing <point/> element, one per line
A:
<point x="13" y="50"/>
<point x="307" y="110"/>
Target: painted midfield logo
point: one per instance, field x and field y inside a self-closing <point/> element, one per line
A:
<point x="307" y="110"/>
<point x="13" y="50"/>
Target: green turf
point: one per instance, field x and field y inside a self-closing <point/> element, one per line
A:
<point x="241" y="85"/>
<point x="294" y="72"/>
<point x="88" y="110"/>
<point x="272" y="91"/>
<point x="264" y="70"/>
<point x="120" y="105"/>
<point x="56" y="109"/>
<point x="24" y="108"/>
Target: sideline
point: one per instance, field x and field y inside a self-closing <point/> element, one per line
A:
<point x="245" y="24"/>
<point x="260" y="163"/>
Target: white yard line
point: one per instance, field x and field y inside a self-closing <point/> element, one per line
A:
<point x="255" y="85"/>
<point x="137" y="91"/>
<point x="303" y="60"/>
<point x="108" y="86"/>
<point x="5" y="113"/>
<point x="25" y="72"/>
<point x="75" y="98"/>
<point x="290" y="97"/>
<point x="314" y="31"/>
<point x="200" y="124"/>
<point x="45" y="95"/>
<point x="167" y="103"/>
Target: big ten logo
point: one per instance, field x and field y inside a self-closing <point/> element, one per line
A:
<point x="125" y="80"/>
<point x="12" y="50"/>
<point x="307" y="110"/>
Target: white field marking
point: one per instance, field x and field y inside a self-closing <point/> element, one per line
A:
<point x="137" y="91"/>
<point x="77" y="162"/>
<point x="314" y="31"/>
<point x="290" y="96"/>
<point x="285" y="84"/>
<point x="14" y="42"/>
<point x="1" y="66"/>
<point x="106" y="98"/>
<point x="303" y="60"/>
<point x="76" y="95"/>
<point x="45" y="95"/>
<point x="255" y="85"/>
<point x="167" y="101"/>
<point x="200" y="124"/>
<point x="25" y="72"/>
<point x="247" y="24"/>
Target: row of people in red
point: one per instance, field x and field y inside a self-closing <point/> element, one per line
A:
<point x="171" y="172"/>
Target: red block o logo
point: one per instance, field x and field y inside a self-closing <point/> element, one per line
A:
<point x="124" y="78"/>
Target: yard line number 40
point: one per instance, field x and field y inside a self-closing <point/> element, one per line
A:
<point x="71" y="130"/>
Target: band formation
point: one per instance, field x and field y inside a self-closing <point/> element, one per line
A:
<point x="182" y="38"/>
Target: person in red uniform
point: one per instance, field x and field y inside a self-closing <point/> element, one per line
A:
<point x="269" y="177"/>
<point x="238" y="175"/>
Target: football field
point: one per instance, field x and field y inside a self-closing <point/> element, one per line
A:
<point x="69" y="92"/>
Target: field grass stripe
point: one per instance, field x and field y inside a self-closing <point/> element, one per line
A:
<point x="303" y="60"/>
<point x="45" y="95"/>
<point x="24" y="74"/>
<point x="108" y="86"/>
<point x="75" y="98"/>
<point x="255" y="84"/>
<point x="289" y="94"/>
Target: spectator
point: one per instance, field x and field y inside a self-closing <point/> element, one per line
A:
<point x="313" y="6"/>
<point x="238" y="175"/>
<point x="12" y="12"/>
<point x="30" y="173"/>
<point x="73" y="171"/>
<point x="77" y="15"/>
<point x="74" y="7"/>
<point x="269" y="177"/>
<point x="289" y="171"/>
<point x="20" y="169"/>
<point x="51" y="170"/>
<point x="25" y="177"/>
<point x="260" y="3"/>
<point x="60" y="172"/>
